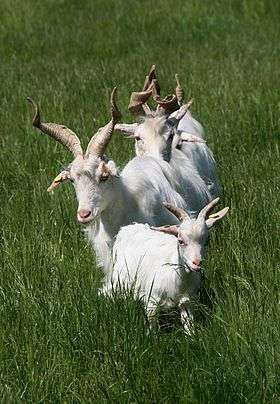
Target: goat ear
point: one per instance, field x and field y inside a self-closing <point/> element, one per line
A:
<point x="61" y="177"/>
<point x="188" y="137"/>
<point x="106" y="170"/>
<point x="215" y="217"/>
<point x="126" y="128"/>
<point x="167" y="229"/>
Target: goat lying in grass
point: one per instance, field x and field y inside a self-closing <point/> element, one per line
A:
<point x="162" y="264"/>
<point x="108" y="199"/>
<point x="171" y="133"/>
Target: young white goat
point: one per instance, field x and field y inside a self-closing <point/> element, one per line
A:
<point x="162" y="265"/>
<point x="171" y="134"/>
<point x="107" y="199"/>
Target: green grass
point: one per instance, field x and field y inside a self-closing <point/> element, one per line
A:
<point x="59" y="341"/>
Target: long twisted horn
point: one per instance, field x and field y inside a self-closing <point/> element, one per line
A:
<point x="151" y="76"/>
<point x="166" y="105"/>
<point x="207" y="209"/>
<point x="178" y="212"/>
<point x="60" y="133"/>
<point x="101" y="138"/>
<point x="154" y="85"/>
<point x="139" y="99"/>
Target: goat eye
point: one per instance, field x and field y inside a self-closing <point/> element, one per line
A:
<point x="181" y="242"/>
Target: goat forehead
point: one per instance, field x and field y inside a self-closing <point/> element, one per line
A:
<point x="85" y="166"/>
<point x="193" y="229"/>
<point x="155" y="124"/>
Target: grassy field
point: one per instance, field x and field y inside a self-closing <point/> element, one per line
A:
<point x="59" y="341"/>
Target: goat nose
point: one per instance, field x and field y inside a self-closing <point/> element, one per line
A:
<point x="84" y="213"/>
<point x="196" y="262"/>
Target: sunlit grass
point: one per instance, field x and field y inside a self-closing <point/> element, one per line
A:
<point x="59" y="340"/>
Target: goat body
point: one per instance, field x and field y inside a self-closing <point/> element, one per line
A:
<point x="136" y="195"/>
<point x="148" y="262"/>
<point x="154" y="138"/>
<point x="162" y="265"/>
<point x="192" y="162"/>
<point x="198" y="153"/>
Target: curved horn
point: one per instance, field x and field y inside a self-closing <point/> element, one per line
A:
<point x="208" y="208"/>
<point x="151" y="76"/>
<point x="60" y="133"/>
<point x="179" y="91"/>
<point x="168" y="104"/>
<point x="137" y="99"/>
<point x="101" y="138"/>
<point x="156" y="87"/>
<point x="167" y="229"/>
<point x="178" y="212"/>
<point x="147" y="110"/>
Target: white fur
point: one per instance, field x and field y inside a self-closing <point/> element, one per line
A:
<point x="134" y="195"/>
<point x="154" y="138"/>
<point x="190" y="125"/>
<point x="199" y="153"/>
<point x="158" y="268"/>
<point x="148" y="262"/>
<point x="157" y="137"/>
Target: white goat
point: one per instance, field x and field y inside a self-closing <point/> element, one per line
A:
<point x="162" y="133"/>
<point x="162" y="267"/>
<point x="154" y="138"/>
<point x="108" y="199"/>
<point x="186" y="138"/>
